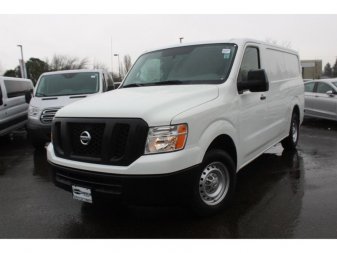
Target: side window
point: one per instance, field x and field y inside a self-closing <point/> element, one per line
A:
<point x="16" y="88"/>
<point x="323" y="88"/>
<point x="309" y="87"/>
<point x="250" y="61"/>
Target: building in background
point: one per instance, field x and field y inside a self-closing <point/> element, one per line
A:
<point x="311" y="69"/>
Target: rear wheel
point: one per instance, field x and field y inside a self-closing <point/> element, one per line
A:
<point x="290" y="142"/>
<point x="215" y="184"/>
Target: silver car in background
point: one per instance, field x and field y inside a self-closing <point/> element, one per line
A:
<point x="57" y="89"/>
<point x="321" y="99"/>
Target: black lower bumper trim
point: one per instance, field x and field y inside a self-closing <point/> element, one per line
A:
<point x="134" y="189"/>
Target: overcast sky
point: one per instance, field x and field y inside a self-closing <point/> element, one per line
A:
<point x="42" y="36"/>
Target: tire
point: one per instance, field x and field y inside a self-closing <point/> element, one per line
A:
<point x="214" y="186"/>
<point x="291" y="141"/>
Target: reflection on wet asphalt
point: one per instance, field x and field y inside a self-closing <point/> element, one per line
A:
<point x="279" y="195"/>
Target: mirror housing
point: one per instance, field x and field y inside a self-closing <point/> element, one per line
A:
<point x="110" y="87"/>
<point x="330" y="93"/>
<point x="257" y="81"/>
<point x="28" y="96"/>
<point x="114" y="86"/>
<point x="117" y="84"/>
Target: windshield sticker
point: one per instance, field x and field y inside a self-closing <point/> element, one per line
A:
<point x="93" y="76"/>
<point x="226" y="53"/>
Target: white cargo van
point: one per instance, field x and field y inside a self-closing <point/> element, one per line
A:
<point x="185" y="120"/>
<point x="15" y="94"/>
<point x="57" y="89"/>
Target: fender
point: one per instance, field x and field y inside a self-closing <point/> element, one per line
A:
<point x="212" y="131"/>
<point x="296" y="101"/>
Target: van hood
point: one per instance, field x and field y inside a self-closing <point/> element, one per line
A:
<point x="157" y="105"/>
<point x="55" y="102"/>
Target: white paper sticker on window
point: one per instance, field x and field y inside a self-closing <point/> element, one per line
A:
<point x="226" y="53"/>
<point x="93" y="76"/>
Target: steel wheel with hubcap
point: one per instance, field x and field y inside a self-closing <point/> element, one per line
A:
<point x="290" y="142"/>
<point x="215" y="183"/>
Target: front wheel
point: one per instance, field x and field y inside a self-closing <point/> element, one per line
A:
<point x="215" y="184"/>
<point x="290" y="142"/>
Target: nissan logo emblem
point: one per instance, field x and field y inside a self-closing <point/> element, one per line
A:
<point x="85" y="138"/>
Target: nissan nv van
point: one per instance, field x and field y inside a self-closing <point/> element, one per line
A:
<point x="15" y="94"/>
<point x="57" y="89"/>
<point x="185" y="120"/>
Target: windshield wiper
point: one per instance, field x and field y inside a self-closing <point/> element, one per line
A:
<point x="133" y="85"/>
<point x="167" y="82"/>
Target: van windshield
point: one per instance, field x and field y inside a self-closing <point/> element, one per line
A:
<point x="197" y="64"/>
<point x="68" y="84"/>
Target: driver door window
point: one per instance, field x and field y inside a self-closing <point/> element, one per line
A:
<point x="250" y="61"/>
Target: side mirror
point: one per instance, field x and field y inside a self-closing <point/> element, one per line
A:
<point x="110" y="87"/>
<point x="117" y="84"/>
<point x="257" y="81"/>
<point x="330" y="93"/>
<point x="28" y="96"/>
<point x="113" y="86"/>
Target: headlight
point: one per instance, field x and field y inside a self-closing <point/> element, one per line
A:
<point x="33" y="111"/>
<point x="166" y="138"/>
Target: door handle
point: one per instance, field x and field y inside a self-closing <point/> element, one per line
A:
<point x="263" y="97"/>
<point x="5" y="104"/>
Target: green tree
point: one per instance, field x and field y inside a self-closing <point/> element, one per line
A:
<point x="36" y="67"/>
<point x="327" y="70"/>
<point x="13" y="72"/>
<point x="334" y="70"/>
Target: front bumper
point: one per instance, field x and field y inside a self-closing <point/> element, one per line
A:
<point x="136" y="189"/>
<point x="156" y="164"/>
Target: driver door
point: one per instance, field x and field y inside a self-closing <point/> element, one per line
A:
<point x="253" y="109"/>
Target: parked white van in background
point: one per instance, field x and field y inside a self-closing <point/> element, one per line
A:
<point x="15" y="94"/>
<point x="185" y="120"/>
<point x="57" y="89"/>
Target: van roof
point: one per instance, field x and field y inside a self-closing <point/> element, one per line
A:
<point x="72" y="71"/>
<point x="14" y="78"/>
<point x="324" y="80"/>
<point x="237" y="41"/>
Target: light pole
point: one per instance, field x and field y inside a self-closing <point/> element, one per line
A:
<point x="22" y="64"/>
<point x="119" y="66"/>
<point x="112" y="69"/>
<point x="181" y="39"/>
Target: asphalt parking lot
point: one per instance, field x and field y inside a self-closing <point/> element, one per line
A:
<point x="279" y="195"/>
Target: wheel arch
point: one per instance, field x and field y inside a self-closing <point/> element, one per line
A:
<point x="221" y="135"/>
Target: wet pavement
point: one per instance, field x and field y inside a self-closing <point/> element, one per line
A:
<point x="279" y="195"/>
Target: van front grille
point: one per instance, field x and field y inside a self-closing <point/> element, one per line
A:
<point x="115" y="141"/>
<point x="48" y="115"/>
<point x="94" y="147"/>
